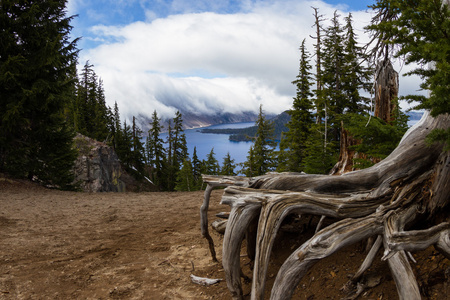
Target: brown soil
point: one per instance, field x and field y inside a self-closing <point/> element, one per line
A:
<point x="66" y="245"/>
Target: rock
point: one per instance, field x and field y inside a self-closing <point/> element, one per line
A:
<point x="97" y="168"/>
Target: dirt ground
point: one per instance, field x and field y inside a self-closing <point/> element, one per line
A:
<point x="67" y="245"/>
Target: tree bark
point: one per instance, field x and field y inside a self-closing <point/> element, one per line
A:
<point x="386" y="90"/>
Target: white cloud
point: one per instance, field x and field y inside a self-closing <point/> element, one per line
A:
<point x="207" y="62"/>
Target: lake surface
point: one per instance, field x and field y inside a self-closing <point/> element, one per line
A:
<point x="220" y="142"/>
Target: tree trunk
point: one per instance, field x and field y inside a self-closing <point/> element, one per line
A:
<point x="384" y="200"/>
<point x="386" y="90"/>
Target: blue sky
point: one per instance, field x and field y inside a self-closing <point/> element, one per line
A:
<point x="204" y="56"/>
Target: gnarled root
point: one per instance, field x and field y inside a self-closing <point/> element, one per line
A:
<point x="380" y="201"/>
<point x="242" y="215"/>
<point x="323" y="244"/>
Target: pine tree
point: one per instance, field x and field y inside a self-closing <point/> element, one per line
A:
<point x="293" y="142"/>
<point x="137" y="149"/>
<point x="211" y="164"/>
<point x="248" y="166"/>
<point x="180" y="150"/>
<point x="377" y="138"/>
<point x="185" y="177"/>
<point x="125" y="145"/>
<point x="86" y="102"/>
<point x="356" y="77"/>
<point x="177" y="151"/>
<point x="264" y="145"/>
<point x="228" y="166"/>
<point x="116" y="127"/>
<point x="197" y="170"/>
<point x="320" y="157"/>
<point x="156" y="151"/>
<point x="102" y="115"/>
<point x="169" y="170"/>
<point x="37" y="63"/>
<point x="319" y="97"/>
<point x="332" y="78"/>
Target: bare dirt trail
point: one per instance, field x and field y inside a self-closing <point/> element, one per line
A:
<point x="66" y="245"/>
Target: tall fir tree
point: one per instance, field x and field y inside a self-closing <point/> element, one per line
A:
<point x="293" y="142"/>
<point x="197" y="169"/>
<point x="332" y="78"/>
<point x="211" y="164"/>
<point x="138" y="150"/>
<point x="155" y="146"/>
<point x="320" y="156"/>
<point x="116" y="127"/>
<point x="177" y="150"/>
<point x="228" y="166"/>
<point x="264" y="146"/>
<point x="124" y="148"/>
<point x="319" y="97"/>
<point x="37" y="63"/>
<point x="356" y="76"/>
<point x="180" y="150"/>
<point x="185" y="177"/>
<point x="102" y="115"/>
<point x="86" y="96"/>
<point x="248" y="166"/>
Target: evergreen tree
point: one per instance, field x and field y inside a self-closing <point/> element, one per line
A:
<point x="332" y="78"/>
<point x="177" y="151"/>
<point x="156" y="151"/>
<point x="102" y="115"/>
<point x="37" y="63"/>
<point x="320" y="157"/>
<point x="356" y="77"/>
<point x="169" y="170"/>
<point x="211" y="164"/>
<point x="116" y="127"/>
<point x="228" y="166"/>
<point x="377" y="138"/>
<point x="180" y="150"/>
<point x="197" y="170"/>
<point x="185" y="177"/>
<point x="264" y="145"/>
<point x="86" y="100"/>
<point x="138" y="150"/>
<point x="125" y="146"/>
<point x="248" y="166"/>
<point x="293" y="142"/>
<point x="319" y="97"/>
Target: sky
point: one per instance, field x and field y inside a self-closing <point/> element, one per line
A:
<point x="204" y="56"/>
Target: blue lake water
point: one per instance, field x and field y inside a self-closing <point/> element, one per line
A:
<point x="220" y="142"/>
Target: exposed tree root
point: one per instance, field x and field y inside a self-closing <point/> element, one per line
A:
<point x="383" y="202"/>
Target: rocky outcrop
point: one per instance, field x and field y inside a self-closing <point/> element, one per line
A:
<point x="97" y="168"/>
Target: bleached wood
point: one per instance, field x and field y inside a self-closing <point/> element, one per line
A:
<point x="359" y="195"/>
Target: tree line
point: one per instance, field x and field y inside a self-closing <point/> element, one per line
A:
<point x="44" y="102"/>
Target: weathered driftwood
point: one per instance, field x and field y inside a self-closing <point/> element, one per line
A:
<point x="362" y="199"/>
<point x="212" y="182"/>
<point x="219" y="226"/>
<point x="204" y="280"/>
